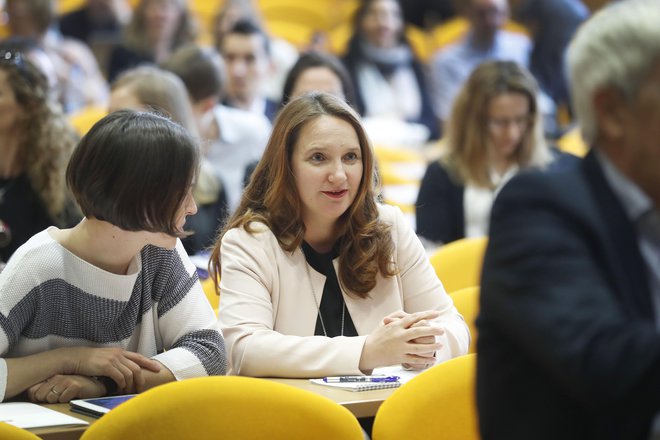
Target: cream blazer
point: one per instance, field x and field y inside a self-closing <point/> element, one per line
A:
<point x="268" y="313"/>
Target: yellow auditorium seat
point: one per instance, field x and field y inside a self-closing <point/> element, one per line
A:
<point x="86" y="118"/>
<point x="437" y="404"/>
<point x="467" y="303"/>
<point x="572" y="142"/>
<point x="10" y="432"/>
<point x="226" y="407"/>
<point x="458" y="264"/>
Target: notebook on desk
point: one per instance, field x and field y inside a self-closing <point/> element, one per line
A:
<point x="402" y="375"/>
<point x="357" y="386"/>
<point x="29" y="415"/>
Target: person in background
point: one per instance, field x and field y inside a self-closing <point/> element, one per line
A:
<point x="96" y="19"/>
<point x="123" y="265"/>
<point x="318" y="72"/>
<point x="317" y="279"/>
<point x="486" y="40"/>
<point x="494" y="132"/>
<point x="234" y="138"/>
<point x="313" y="72"/>
<point x="246" y="52"/>
<point x="80" y="82"/>
<point x="149" y="88"/>
<point x="30" y="49"/>
<point x="156" y="29"/>
<point x="35" y="144"/>
<point x="282" y="53"/>
<point x="390" y="82"/>
<point x="568" y="324"/>
<point x="552" y="23"/>
<point x="97" y="23"/>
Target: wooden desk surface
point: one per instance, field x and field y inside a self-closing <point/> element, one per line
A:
<point x="361" y="404"/>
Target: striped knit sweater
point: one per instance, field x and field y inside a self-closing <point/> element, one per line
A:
<point x="50" y="298"/>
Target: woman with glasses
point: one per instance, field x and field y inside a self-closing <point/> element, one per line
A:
<point x="35" y="144"/>
<point x="494" y="131"/>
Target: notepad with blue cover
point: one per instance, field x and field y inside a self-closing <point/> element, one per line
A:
<point x="358" y="386"/>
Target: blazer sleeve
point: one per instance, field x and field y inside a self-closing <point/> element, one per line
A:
<point x="439" y="206"/>
<point x="547" y="296"/>
<point x="422" y="290"/>
<point x="247" y="316"/>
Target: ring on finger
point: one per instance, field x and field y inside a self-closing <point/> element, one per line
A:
<point x="54" y="391"/>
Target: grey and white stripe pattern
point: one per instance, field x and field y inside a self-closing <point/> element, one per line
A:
<point x="50" y="298"/>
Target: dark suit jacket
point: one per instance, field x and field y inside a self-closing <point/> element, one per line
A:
<point x="568" y="347"/>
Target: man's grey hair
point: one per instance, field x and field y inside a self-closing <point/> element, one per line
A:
<point x="617" y="48"/>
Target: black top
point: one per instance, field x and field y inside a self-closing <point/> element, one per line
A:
<point x="332" y="300"/>
<point x="22" y="212"/>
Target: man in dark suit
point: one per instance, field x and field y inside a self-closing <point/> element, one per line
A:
<point x="569" y="346"/>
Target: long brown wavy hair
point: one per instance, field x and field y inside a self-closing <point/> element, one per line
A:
<point x="365" y="243"/>
<point x="467" y="130"/>
<point x="47" y="139"/>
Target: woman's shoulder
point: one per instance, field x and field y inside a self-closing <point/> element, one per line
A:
<point x="254" y="231"/>
<point x="391" y="215"/>
<point x="40" y="254"/>
<point x="442" y="170"/>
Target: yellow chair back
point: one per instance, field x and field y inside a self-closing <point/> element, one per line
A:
<point x="10" y="432"/>
<point x="231" y="407"/>
<point x="572" y="142"/>
<point x="458" y="264"/>
<point x="437" y="404"/>
<point x="86" y="118"/>
<point x="467" y="303"/>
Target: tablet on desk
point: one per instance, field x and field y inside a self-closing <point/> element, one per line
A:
<point x="98" y="406"/>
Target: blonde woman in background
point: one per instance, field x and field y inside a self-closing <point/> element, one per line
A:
<point x="494" y="131"/>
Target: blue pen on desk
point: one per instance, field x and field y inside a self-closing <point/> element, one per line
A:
<point x="339" y="379"/>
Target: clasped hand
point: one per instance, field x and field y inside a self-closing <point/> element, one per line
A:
<point x="403" y="338"/>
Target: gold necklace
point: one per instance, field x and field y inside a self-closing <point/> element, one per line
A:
<point x="318" y="306"/>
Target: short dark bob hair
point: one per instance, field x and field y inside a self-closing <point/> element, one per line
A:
<point x="134" y="170"/>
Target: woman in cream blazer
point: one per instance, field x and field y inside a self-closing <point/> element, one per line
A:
<point x="313" y="189"/>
